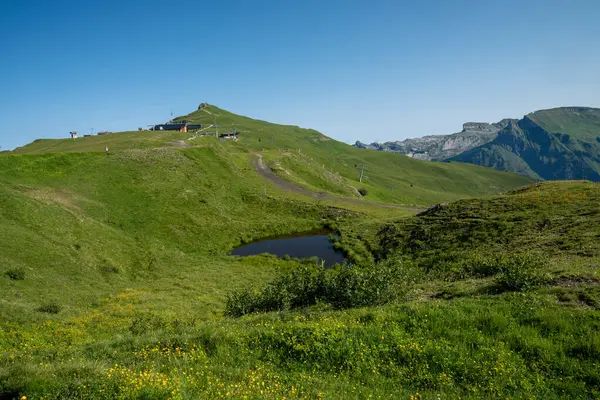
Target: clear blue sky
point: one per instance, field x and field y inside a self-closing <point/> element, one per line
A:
<point x="354" y="70"/>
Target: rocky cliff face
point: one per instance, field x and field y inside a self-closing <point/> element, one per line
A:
<point x="560" y="143"/>
<point x="441" y="147"/>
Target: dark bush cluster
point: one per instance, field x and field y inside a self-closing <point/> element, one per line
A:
<point x="341" y="287"/>
<point x="363" y="192"/>
<point x="50" y="307"/>
<point x="110" y="269"/>
<point x="16" y="273"/>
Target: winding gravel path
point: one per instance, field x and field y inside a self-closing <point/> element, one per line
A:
<point x="266" y="173"/>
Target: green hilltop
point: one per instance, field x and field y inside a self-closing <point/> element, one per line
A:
<point x="580" y="122"/>
<point x="116" y="280"/>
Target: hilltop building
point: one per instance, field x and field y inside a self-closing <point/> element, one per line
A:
<point x="73" y="135"/>
<point x="229" y="135"/>
<point x="176" y="126"/>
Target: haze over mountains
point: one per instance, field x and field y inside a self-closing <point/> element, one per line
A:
<point x="559" y="143"/>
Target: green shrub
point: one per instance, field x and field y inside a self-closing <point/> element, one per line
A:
<point x="521" y="272"/>
<point x="480" y="265"/>
<point x="344" y="286"/>
<point x="311" y="260"/>
<point x="16" y="273"/>
<point x="363" y="192"/>
<point x="353" y="286"/>
<point x="51" y="307"/>
<point x="459" y="265"/>
<point x="300" y="287"/>
<point x="144" y="322"/>
<point x="110" y="269"/>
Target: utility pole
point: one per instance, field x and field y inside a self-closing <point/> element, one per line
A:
<point x="361" y="172"/>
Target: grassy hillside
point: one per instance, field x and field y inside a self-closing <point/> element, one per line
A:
<point x="580" y="122"/>
<point x="95" y="224"/>
<point x="318" y="162"/>
<point x="310" y="159"/>
<point x="554" y="218"/>
<point x="114" y="141"/>
<point x="124" y="298"/>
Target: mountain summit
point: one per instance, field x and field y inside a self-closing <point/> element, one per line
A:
<point x="558" y="143"/>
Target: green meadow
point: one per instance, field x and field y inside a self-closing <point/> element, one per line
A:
<point x="116" y="283"/>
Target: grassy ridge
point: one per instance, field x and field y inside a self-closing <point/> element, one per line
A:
<point x="321" y="163"/>
<point x="315" y="161"/>
<point x="114" y="141"/>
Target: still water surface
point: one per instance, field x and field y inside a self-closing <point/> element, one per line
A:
<point x="313" y="243"/>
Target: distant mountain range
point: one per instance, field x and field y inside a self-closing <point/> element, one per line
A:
<point x="560" y="143"/>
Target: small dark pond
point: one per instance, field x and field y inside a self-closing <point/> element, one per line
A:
<point x="313" y="243"/>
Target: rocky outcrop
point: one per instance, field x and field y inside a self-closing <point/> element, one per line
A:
<point x="441" y="147"/>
